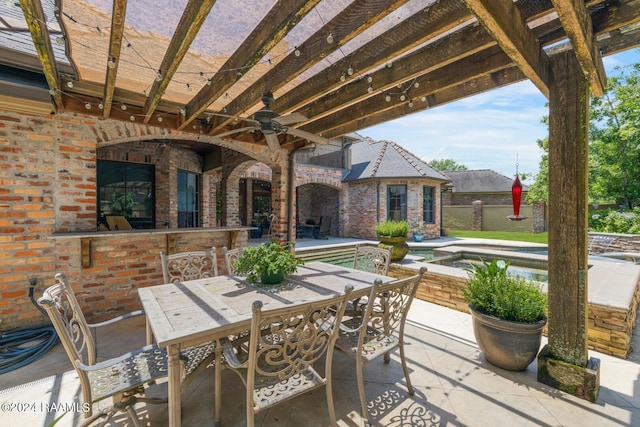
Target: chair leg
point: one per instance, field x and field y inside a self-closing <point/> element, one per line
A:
<point x="406" y="370"/>
<point x="363" y="397"/>
<point x="329" y="390"/>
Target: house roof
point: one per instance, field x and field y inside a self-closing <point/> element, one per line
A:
<point x="480" y="181"/>
<point x="386" y="159"/>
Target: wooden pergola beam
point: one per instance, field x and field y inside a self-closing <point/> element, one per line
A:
<point x="193" y="16"/>
<point x="357" y="17"/>
<point x="276" y="24"/>
<point x="115" y="46"/>
<point x="411" y="33"/>
<point x="503" y="20"/>
<point x="577" y="24"/>
<point x="450" y="78"/>
<point x="445" y="51"/>
<point x="36" y="21"/>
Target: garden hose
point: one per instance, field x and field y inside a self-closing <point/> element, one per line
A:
<point x="19" y="347"/>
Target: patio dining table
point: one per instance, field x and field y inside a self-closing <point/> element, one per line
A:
<point x="198" y="311"/>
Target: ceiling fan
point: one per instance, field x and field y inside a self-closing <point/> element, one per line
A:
<point x="270" y="123"/>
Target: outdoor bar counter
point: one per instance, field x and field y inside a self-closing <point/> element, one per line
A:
<point x="169" y="240"/>
<point x="107" y="267"/>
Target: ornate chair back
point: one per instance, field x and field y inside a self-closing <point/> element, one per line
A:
<point x="109" y="378"/>
<point x="372" y="259"/>
<point x="283" y="345"/>
<point x="381" y="329"/>
<point x="230" y="257"/>
<point x="191" y="265"/>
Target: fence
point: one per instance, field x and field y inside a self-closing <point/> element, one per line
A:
<point x="480" y="217"/>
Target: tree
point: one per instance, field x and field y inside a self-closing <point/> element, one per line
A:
<point x="447" y="165"/>
<point x="614" y="147"/>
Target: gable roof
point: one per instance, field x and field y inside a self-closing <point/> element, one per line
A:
<point x="480" y="181"/>
<point x="386" y="159"/>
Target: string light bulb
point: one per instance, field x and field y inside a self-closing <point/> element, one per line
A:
<point x="87" y="106"/>
<point x="416" y="84"/>
<point x="369" y="79"/>
<point x="101" y="106"/>
<point x="123" y="107"/>
<point x="61" y="40"/>
<point x="132" y="118"/>
<point x="410" y="103"/>
<point x="402" y="97"/>
<point x="350" y="70"/>
<point x="159" y="76"/>
<point x="70" y="83"/>
<point x="209" y="82"/>
<point x="370" y="89"/>
<point x="387" y="98"/>
<point x="343" y="77"/>
<point x="112" y="63"/>
<point x="52" y="92"/>
<point x="330" y="38"/>
<point x="296" y="51"/>
<point x="159" y="119"/>
<point x="202" y="77"/>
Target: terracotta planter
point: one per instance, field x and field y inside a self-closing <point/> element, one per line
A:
<point x="400" y="247"/>
<point x="505" y="344"/>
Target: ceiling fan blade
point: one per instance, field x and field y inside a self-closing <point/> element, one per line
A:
<point x="272" y="141"/>
<point x="290" y="119"/>
<point x="307" y="135"/>
<point x="237" y="118"/>
<point x="231" y="132"/>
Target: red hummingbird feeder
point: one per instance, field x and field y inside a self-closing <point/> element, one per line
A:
<point x="516" y="198"/>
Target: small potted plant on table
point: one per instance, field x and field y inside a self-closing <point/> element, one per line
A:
<point x="394" y="233"/>
<point x="269" y="263"/>
<point x="508" y="315"/>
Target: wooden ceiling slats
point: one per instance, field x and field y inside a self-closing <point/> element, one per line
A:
<point x="36" y="22"/>
<point x="389" y="46"/>
<point x="115" y="46"/>
<point x="467" y="41"/>
<point x="440" y="44"/>
<point x="281" y="19"/>
<point x="483" y="61"/>
<point x="503" y="20"/>
<point x="194" y="15"/>
<point x="357" y="17"/>
<point x="577" y="24"/>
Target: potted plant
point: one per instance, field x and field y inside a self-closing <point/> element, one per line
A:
<point x="508" y="314"/>
<point x="394" y="233"/>
<point x="419" y="229"/>
<point x="268" y="263"/>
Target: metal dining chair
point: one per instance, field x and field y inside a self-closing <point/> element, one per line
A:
<point x="124" y="378"/>
<point x="230" y="257"/>
<point x="284" y="343"/>
<point x="373" y="259"/>
<point x="191" y="265"/>
<point x="380" y="329"/>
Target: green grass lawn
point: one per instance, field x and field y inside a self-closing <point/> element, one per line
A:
<point x="502" y="235"/>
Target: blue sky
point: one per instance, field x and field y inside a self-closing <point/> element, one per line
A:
<point x="493" y="130"/>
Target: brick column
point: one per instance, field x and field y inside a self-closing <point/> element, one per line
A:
<point x="476" y="216"/>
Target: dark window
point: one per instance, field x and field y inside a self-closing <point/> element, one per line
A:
<point x="127" y="189"/>
<point x="428" y="205"/>
<point x="397" y="202"/>
<point x="188" y="199"/>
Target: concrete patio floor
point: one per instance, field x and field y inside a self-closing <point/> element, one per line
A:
<point x="454" y="386"/>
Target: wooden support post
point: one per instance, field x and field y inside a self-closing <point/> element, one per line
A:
<point x="563" y="363"/>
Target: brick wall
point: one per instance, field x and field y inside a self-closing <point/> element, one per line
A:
<point x="48" y="185"/>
